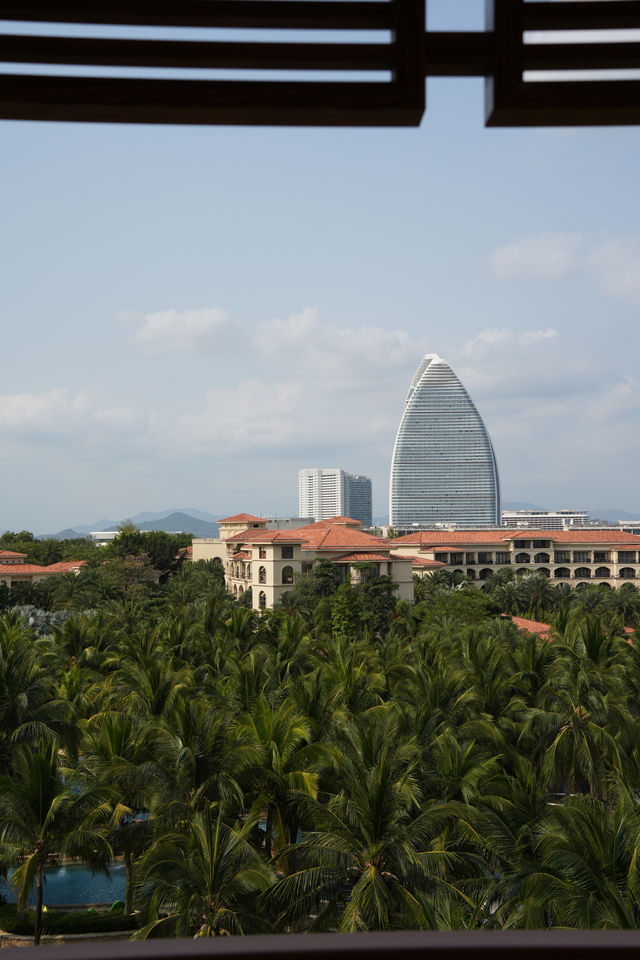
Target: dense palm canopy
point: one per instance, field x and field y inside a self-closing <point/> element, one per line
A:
<point x="346" y="762"/>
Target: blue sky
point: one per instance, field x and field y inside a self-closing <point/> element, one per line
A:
<point x="190" y="315"/>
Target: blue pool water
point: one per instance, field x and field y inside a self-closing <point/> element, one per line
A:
<point x="74" y="884"/>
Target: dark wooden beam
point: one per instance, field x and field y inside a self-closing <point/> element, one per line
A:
<point x="581" y="56"/>
<point x="196" y="54"/>
<point x="250" y="14"/>
<point x="582" y="15"/>
<point x="263" y="103"/>
<point x="458" y="54"/>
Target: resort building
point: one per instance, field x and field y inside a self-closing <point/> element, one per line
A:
<point x="268" y="561"/>
<point x="15" y="569"/>
<point x="577" y="556"/>
<point x="326" y="493"/>
<point x="443" y="468"/>
<point x="545" y="519"/>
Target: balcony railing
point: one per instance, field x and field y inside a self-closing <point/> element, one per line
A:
<point x="413" y="945"/>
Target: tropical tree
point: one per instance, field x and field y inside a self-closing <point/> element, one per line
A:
<point x="203" y="880"/>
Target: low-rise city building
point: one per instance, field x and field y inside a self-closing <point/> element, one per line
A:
<point x="578" y="556"/>
<point x="545" y="519"/>
<point x="15" y="569"/>
<point x="268" y="561"/>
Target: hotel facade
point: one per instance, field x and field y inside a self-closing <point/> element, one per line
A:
<point x="268" y="561"/>
<point x="575" y="556"/>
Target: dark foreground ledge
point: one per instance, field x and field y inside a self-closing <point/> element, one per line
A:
<point x="511" y="945"/>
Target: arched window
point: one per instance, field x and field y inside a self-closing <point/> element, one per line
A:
<point x="544" y="571"/>
<point x="262" y="599"/>
<point x="541" y="558"/>
<point x="287" y="574"/>
<point x="523" y="558"/>
<point x="248" y="571"/>
<point x="471" y="574"/>
<point x="582" y="573"/>
<point x="262" y="575"/>
<point x="241" y="590"/>
<point x="484" y="574"/>
<point x="562" y="573"/>
<point x="235" y="589"/>
<point x="603" y="573"/>
<point x="627" y="573"/>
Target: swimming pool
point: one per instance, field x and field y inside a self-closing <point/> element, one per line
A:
<point x="74" y="883"/>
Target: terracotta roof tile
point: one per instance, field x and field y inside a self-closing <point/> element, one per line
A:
<point x="429" y="539"/>
<point x="334" y="534"/>
<point x="532" y="626"/>
<point x="65" y="565"/>
<point x="420" y="561"/>
<point x="243" y="518"/>
<point x="362" y="558"/>
<point x="17" y="569"/>
<point x="11" y="555"/>
<point x="241" y="555"/>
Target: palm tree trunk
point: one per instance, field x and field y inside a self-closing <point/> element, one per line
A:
<point x="37" y="929"/>
<point x="128" y="892"/>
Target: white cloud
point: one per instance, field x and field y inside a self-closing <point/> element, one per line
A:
<point x="535" y="336"/>
<point x="613" y="266"/>
<point x="546" y="255"/>
<point x="208" y="329"/>
<point x="486" y="338"/>
<point x="616" y="266"/>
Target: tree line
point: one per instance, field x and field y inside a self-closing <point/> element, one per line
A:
<point x="346" y="762"/>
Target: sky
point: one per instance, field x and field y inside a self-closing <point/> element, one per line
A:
<point x="191" y="315"/>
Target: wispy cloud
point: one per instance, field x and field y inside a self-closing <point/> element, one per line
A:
<point x="613" y="266"/>
<point x="166" y="330"/>
<point x="546" y="255"/>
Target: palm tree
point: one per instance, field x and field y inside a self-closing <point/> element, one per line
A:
<point x="376" y="854"/>
<point x="203" y="881"/>
<point x="40" y="817"/>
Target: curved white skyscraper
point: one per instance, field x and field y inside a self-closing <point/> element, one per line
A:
<point x="443" y="468"/>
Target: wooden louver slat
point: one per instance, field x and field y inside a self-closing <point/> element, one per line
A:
<point x="407" y="55"/>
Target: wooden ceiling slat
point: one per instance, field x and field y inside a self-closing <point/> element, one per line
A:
<point x="582" y="15"/>
<point x="581" y="56"/>
<point x="250" y="14"/>
<point x="195" y="54"/>
<point x="122" y="100"/>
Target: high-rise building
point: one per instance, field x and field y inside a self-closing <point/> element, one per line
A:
<point x="327" y="493"/>
<point x="443" y="468"/>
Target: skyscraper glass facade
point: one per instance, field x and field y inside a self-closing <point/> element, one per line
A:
<point x="443" y="468"/>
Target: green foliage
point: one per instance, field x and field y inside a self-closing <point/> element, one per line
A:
<point x="65" y="921"/>
<point x="349" y="761"/>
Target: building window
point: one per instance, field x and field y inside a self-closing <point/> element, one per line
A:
<point x="626" y="556"/>
<point x="442" y="557"/>
<point x="262" y="553"/>
<point x="541" y="544"/>
<point x="502" y="557"/>
<point x="601" y="556"/>
<point x="471" y="558"/>
<point x="541" y="558"/>
<point x="485" y="574"/>
<point x="457" y="559"/>
<point x="562" y="556"/>
<point x="603" y="573"/>
<point x="521" y="544"/>
<point x="485" y="558"/>
<point x="582" y="573"/>
<point x="262" y="600"/>
<point x="523" y="558"/>
<point x="262" y="575"/>
<point x="287" y="574"/>
<point x="562" y="573"/>
<point x="287" y="553"/>
<point x="307" y="567"/>
<point x="627" y="573"/>
<point x="581" y="556"/>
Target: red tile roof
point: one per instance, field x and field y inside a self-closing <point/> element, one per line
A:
<point x="532" y="626"/>
<point x="242" y="518"/>
<point x="241" y="555"/>
<point x="64" y="566"/>
<point x="419" y="561"/>
<point x="362" y="558"/>
<point x="429" y="539"/>
<point x="334" y="534"/>
<point x="11" y="555"/>
<point x="17" y="569"/>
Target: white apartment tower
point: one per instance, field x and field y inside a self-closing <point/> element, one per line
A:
<point x="327" y="493"/>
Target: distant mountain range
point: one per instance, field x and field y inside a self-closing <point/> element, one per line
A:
<point x="196" y="522"/>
